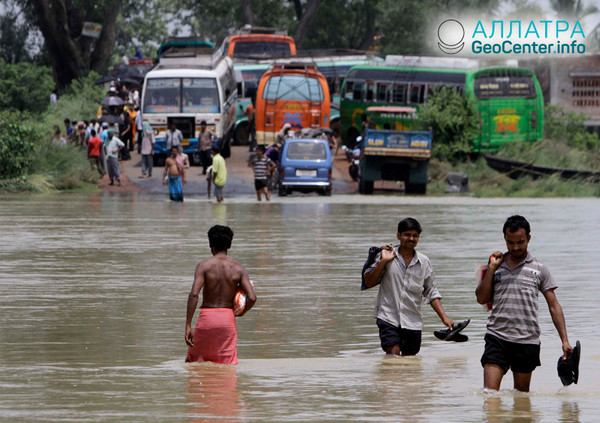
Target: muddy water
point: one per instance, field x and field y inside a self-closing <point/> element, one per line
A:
<point x="93" y="289"/>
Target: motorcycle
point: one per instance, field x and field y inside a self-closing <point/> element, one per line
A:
<point x="353" y="157"/>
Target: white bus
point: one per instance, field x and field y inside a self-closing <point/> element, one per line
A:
<point x="186" y="89"/>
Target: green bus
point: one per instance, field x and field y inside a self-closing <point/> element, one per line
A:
<point x="389" y="85"/>
<point x="510" y="104"/>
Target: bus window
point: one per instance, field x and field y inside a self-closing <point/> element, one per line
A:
<point x="293" y="87"/>
<point x="399" y="94"/>
<point x="371" y="87"/>
<point x="382" y="90"/>
<point x="416" y="94"/>
<point x="163" y="95"/>
<point x="357" y="91"/>
<point x="200" y="95"/>
<point x="513" y="87"/>
<point x="261" y="48"/>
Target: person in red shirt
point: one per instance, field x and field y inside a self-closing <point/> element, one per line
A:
<point x="94" y="146"/>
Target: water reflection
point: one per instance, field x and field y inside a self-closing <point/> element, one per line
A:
<point x="398" y="382"/>
<point x="212" y="394"/>
<point x="498" y="410"/>
<point x="569" y="412"/>
<point x="93" y="289"/>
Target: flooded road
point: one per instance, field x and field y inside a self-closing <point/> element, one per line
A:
<point x="93" y="290"/>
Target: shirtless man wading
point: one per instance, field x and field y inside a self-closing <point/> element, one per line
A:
<point x="215" y="336"/>
<point x="174" y="174"/>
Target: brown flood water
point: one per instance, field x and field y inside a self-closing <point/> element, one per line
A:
<point x="93" y="289"/>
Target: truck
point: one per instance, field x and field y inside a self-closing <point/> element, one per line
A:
<point x="394" y="150"/>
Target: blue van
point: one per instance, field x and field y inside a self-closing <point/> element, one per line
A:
<point x="305" y="165"/>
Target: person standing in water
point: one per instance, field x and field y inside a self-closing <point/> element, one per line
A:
<point x="405" y="277"/>
<point x="215" y="336"/>
<point x="511" y="283"/>
<point x="174" y="174"/>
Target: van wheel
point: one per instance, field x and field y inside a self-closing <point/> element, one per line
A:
<point x="327" y="191"/>
<point x="282" y="191"/>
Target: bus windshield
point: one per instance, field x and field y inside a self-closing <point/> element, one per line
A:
<point x="293" y="87"/>
<point x="261" y="48"/>
<point x="181" y="95"/>
<point x="306" y="151"/>
<point x="504" y="87"/>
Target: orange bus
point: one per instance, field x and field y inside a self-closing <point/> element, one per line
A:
<point x="259" y="43"/>
<point x="296" y="94"/>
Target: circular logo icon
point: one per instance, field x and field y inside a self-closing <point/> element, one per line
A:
<point x="451" y="34"/>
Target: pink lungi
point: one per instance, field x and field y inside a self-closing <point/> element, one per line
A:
<point x="215" y="337"/>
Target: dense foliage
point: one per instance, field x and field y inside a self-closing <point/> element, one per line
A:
<point x="29" y="161"/>
<point x="16" y="147"/>
<point x="25" y="86"/>
<point x="454" y="123"/>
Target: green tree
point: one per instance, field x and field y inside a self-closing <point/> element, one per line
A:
<point x="355" y="26"/>
<point x="71" y="53"/>
<point x="145" y="28"/>
<point x="454" y="122"/>
<point x="25" y="86"/>
<point x="13" y="37"/>
<point x="406" y="27"/>
<point x="15" y="148"/>
<point x="568" y="127"/>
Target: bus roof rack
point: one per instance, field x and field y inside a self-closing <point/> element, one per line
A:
<point x="294" y="65"/>
<point x="179" y="44"/>
<point x="191" y="58"/>
<point x="249" y="29"/>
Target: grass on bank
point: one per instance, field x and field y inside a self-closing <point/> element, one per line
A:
<point x="486" y="182"/>
<point x="44" y="167"/>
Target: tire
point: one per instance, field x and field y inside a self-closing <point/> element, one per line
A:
<point x="327" y="191"/>
<point x="351" y="135"/>
<point x="158" y="160"/>
<point x="241" y="135"/>
<point x="365" y="187"/>
<point x="282" y="191"/>
<point x="420" y="189"/>
<point x="353" y="171"/>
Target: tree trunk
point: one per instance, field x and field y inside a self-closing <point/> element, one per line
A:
<point x="370" y="30"/>
<point x="106" y="43"/>
<point x="63" y="53"/>
<point x="60" y="23"/>
<point x="312" y="7"/>
<point x="298" y="9"/>
<point x="249" y="17"/>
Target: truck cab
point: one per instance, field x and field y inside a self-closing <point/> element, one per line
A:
<point x="393" y="150"/>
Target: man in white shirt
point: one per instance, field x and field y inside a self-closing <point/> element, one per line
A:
<point x="112" y="148"/>
<point x="405" y="277"/>
<point x="174" y="137"/>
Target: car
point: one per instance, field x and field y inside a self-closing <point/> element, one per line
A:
<point x="305" y="165"/>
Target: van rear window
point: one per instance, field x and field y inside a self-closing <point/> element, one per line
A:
<point x="306" y="151"/>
